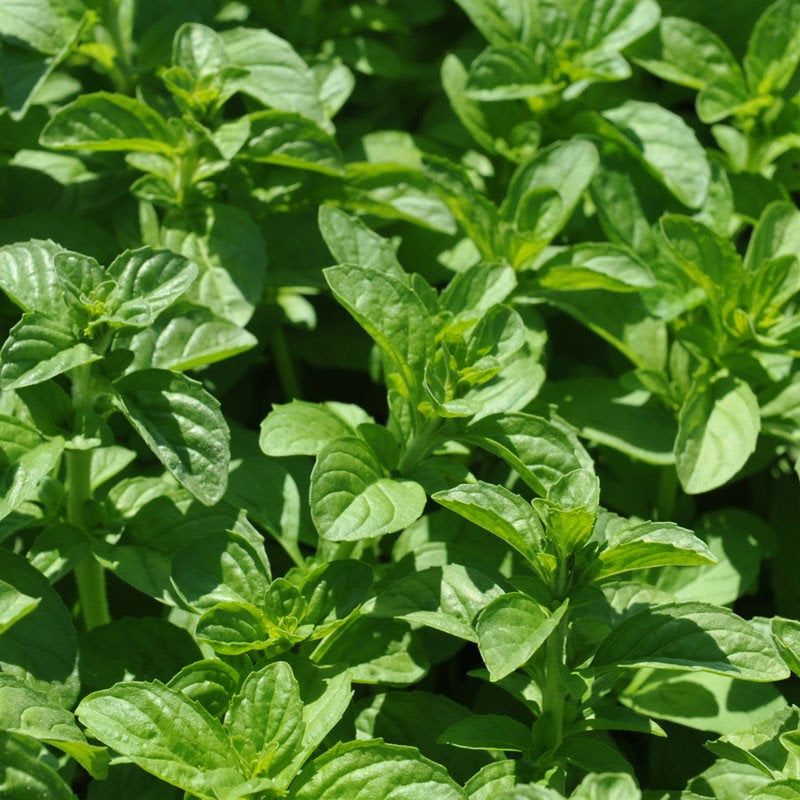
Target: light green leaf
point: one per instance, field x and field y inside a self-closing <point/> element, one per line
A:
<point x="14" y="605"/>
<point x="381" y="771"/>
<point x="723" y="96"/>
<point x="652" y="544"/>
<point x="511" y="629"/>
<point x="788" y="789"/>
<point x="773" y="49"/>
<point x="39" y="348"/>
<point x="217" y="568"/>
<point x="786" y="634"/>
<point x="183" y="426"/>
<point x="277" y="76"/>
<point x="147" y="281"/>
<point x="209" y="682"/>
<point x="25" y="711"/>
<point x="691" y="637"/>
<point x="20" y="480"/>
<point x="375" y="651"/>
<point x="352" y="242"/>
<point x="161" y="731"/>
<point x="667" y="145"/>
<point x="333" y="590"/>
<point x="509" y="72"/>
<point x="352" y="499"/>
<point x="35" y="23"/>
<point x="718" y="428"/>
<point x="199" y="50"/>
<point x="265" y="723"/>
<point x="499" y="511"/>
<point x="614" y="24"/>
<point x="292" y="140"/>
<point x="300" y="428"/>
<point x="186" y="338"/>
<point x="392" y="314"/>
<point x="488" y="732"/>
<point x="595" y="266"/>
<point x="688" y="53"/>
<point x="232" y="628"/>
<point x="446" y="598"/>
<point x="29" y="277"/>
<point x="777" y="233"/>
<point x="493" y="18"/>
<point x="41" y="648"/>
<point x="610" y="786"/>
<point x="108" y="122"/>
<point x="566" y="167"/>
<point x="541" y="451"/>
<point x="25" y="775"/>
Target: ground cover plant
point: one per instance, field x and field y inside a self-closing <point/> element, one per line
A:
<point x="399" y="399"/>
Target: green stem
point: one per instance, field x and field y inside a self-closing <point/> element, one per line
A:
<point x="88" y="574"/>
<point x="553" y="693"/>
<point x="667" y="492"/>
<point x="419" y="446"/>
<point x="287" y="375"/>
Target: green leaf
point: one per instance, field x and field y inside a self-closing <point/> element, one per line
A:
<point x="21" y="479"/>
<point x="265" y="723"/>
<point x="652" y="544"/>
<point x="183" y="426"/>
<point x="607" y="787"/>
<point x="539" y="450"/>
<point x="232" y="628"/>
<point x="229" y="249"/>
<point x="786" y="635"/>
<point x="488" y="732"/>
<point x="29" y="277"/>
<point x="333" y="590"/>
<point x="511" y="629"/>
<point x="566" y="167"/>
<point x="146" y="282"/>
<point x="493" y="18"/>
<point x="788" y="789"/>
<point x="39" y="348"/>
<point x="291" y="140"/>
<point x="277" y="76"/>
<point x="375" y="651"/>
<point x="499" y="511"/>
<point x="25" y="775"/>
<point x="688" y="53"/>
<point x="691" y="637"/>
<point x="509" y="72"/>
<point x="777" y="233"/>
<point x="446" y="598"/>
<point x="352" y="242"/>
<point x="219" y="567"/>
<point x="773" y="49"/>
<point x="26" y="711"/>
<point x="667" y="145"/>
<point x="595" y="266"/>
<point x="161" y="731"/>
<point x="14" y="605"/>
<point x="392" y="314"/>
<point x="209" y="682"/>
<point x="187" y="337"/>
<point x="300" y="428"/>
<point x="107" y="122"/>
<point x="383" y="771"/>
<point x="718" y="428"/>
<point x="35" y="23"/>
<point x="41" y="648"/>
<point x="352" y="499"/>
<point x="614" y="24"/>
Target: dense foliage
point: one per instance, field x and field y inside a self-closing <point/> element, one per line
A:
<point x="398" y="399"/>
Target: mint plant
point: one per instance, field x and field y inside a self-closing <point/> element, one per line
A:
<point x="399" y="400"/>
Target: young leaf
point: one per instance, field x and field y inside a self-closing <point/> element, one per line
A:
<point x="691" y="637"/>
<point x="265" y="723"/>
<point x="183" y="426"/>
<point x="146" y="282"/>
<point x="385" y="771"/>
<point x="718" y="428"/>
<point x="773" y="49"/>
<point x="350" y="497"/>
<point x="232" y="628"/>
<point x="511" y="629"/>
<point x="614" y="24"/>
<point x="162" y="731"/>
<point x="209" y="682"/>
<point x="25" y="775"/>
<point x="28" y="275"/>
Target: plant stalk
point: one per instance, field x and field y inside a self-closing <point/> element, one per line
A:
<point x="89" y="575"/>
<point x="287" y="375"/>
